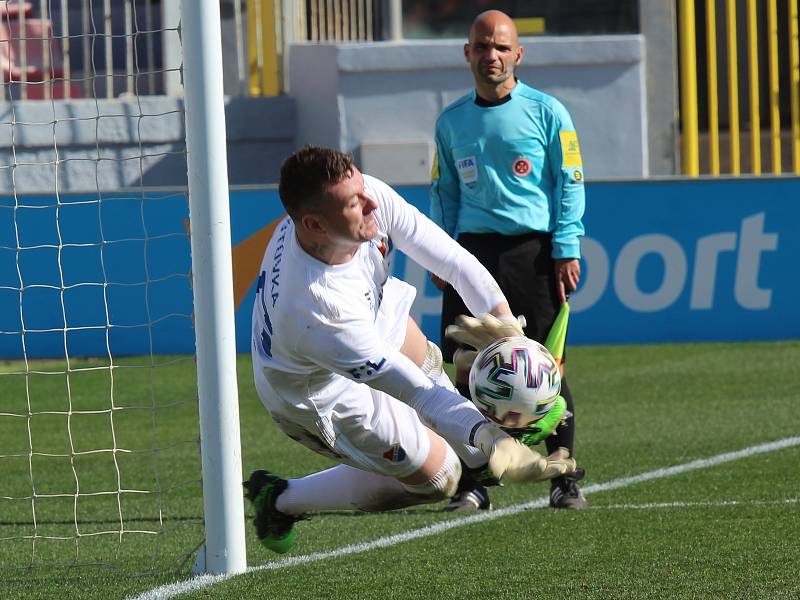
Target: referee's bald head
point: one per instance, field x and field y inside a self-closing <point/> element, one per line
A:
<point x="489" y="21"/>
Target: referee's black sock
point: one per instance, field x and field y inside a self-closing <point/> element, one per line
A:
<point x="564" y="436"/>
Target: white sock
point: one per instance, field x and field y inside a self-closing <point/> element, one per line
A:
<point x="345" y="488"/>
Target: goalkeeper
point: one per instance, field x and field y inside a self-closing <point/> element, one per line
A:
<point x="344" y="370"/>
<point x="508" y="184"/>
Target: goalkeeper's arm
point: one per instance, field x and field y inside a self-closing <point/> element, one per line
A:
<point x="429" y="246"/>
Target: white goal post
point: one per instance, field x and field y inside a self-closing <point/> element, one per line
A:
<point x="213" y="290"/>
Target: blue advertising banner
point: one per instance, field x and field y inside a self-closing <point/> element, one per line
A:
<point x="701" y="260"/>
<point x="690" y="261"/>
<point x="669" y="261"/>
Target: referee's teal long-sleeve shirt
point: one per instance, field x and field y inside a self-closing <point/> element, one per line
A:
<point x="512" y="168"/>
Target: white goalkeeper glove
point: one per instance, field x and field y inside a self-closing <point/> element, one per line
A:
<point x="481" y="332"/>
<point x="510" y="460"/>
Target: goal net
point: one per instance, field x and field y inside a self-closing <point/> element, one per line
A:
<point x="99" y="434"/>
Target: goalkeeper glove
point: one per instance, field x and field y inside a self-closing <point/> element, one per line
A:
<point x="536" y="432"/>
<point x="479" y="333"/>
<point x="510" y="460"/>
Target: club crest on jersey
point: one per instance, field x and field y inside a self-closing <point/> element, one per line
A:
<point x="522" y="166"/>
<point x="468" y="170"/>
<point x="384" y="246"/>
<point x="395" y="454"/>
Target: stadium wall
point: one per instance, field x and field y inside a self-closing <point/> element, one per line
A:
<point x="664" y="261"/>
<point x="378" y="101"/>
<point x="99" y="144"/>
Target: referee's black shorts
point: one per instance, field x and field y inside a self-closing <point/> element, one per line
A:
<point x="524" y="268"/>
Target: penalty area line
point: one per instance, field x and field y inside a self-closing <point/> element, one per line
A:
<point x="171" y="590"/>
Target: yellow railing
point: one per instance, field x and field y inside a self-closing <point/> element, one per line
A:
<point x="690" y="134"/>
<point x="690" y="158"/>
<point x="713" y="96"/>
<point x="262" y="49"/>
<point x="733" y="88"/>
<point x="774" y="87"/>
<point x="316" y="21"/>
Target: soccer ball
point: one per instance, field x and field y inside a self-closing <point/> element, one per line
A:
<point x="514" y="382"/>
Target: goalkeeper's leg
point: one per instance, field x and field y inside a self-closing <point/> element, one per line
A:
<point x="344" y="487"/>
<point x="389" y="460"/>
<point x="280" y="503"/>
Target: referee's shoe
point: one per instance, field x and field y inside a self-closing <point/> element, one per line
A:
<point x="565" y="493"/>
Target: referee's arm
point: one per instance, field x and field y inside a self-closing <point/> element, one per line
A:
<point x="444" y="193"/>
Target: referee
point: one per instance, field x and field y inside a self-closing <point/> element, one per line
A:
<point x="507" y="182"/>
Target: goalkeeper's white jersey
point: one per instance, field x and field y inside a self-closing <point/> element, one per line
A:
<point x="319" y="329"/>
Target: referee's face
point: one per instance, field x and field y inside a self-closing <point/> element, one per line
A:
<point x="493" y="51"/>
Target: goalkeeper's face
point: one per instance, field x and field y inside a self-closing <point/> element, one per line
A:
<point x="348" y="213"/>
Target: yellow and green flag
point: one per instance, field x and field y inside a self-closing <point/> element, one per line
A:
<point x="557" y="338"/>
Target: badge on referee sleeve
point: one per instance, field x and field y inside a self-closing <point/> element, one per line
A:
<point x="435" y="168"/>
<point x="570" y="149"/>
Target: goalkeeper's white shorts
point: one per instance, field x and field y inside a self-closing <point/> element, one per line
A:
<point x="364" y="428"/>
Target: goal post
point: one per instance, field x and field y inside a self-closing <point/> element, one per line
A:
<point x="213" y="289"/>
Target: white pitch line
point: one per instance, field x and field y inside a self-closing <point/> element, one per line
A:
<point x="171" y="590"/>
<point x="717" y="504"/>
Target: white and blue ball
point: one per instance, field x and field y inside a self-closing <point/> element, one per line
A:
<point x="514" y="382"/>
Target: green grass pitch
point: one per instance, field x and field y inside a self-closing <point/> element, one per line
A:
<point x="726" y="531"/>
